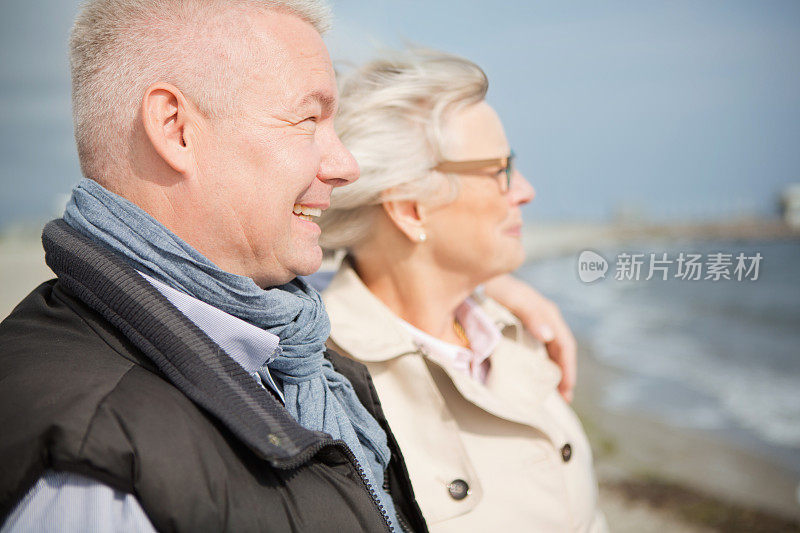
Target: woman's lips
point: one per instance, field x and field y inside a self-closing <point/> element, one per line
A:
<point x="515" y="230"/>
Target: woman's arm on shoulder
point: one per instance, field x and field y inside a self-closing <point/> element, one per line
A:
<point x="542" y="318"/>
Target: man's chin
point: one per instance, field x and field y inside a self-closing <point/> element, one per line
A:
<point x="300" y="267"/>
<point x="309" y="263"/>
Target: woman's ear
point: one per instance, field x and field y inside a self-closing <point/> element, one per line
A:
<point x="406" y="216"/>
<point x="166" y="117"/>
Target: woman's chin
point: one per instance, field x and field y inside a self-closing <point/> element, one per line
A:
<point x="515" y="257"/>
<point x="505" y="266"/>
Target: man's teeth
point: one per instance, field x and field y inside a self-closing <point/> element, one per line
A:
<point x="306" y="212"/>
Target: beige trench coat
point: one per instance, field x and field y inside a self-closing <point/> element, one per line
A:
<point x="506" y="456"/>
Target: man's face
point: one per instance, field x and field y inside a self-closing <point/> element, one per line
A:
<point x="278" y="154"/>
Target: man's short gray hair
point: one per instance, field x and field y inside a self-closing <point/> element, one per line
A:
<point x="392" y="117"/>
<point x="120" y="47"/>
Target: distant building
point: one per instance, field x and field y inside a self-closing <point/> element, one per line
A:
<point x="790" y="205"/>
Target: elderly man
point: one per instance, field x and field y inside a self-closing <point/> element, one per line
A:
<point x="174" y="376"/>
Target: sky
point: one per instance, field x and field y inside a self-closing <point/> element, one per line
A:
<point x="665" y="109"/>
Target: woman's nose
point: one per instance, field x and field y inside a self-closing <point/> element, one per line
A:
<point x="521" y="191"/>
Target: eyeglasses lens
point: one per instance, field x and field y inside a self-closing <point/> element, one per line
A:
<point x="509" y="172"/>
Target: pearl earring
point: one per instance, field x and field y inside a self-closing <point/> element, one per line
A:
<point x="423" y="237"/>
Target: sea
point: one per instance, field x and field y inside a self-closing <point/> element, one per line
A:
<point x="716" y="355"/>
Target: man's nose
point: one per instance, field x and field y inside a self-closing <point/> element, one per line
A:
<point x="521" y="191"/>
<point x="338" y="166"/>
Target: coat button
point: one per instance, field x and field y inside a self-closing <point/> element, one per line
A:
<point x="458" y="489"/>
<point x="566" y="452"/>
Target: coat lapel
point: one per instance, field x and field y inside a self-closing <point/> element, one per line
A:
<point x="516" y="386"/>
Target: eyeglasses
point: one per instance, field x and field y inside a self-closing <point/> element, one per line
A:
<point x="479" y="166"/>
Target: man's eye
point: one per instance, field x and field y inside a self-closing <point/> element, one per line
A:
<point x="309" y="123"/>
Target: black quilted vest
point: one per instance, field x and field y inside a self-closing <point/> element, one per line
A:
<point x="100" y="375"/>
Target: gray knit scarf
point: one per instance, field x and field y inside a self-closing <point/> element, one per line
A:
<point x="317" y="396"/>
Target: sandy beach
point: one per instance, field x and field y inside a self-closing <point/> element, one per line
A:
<point x="653" y="478"/>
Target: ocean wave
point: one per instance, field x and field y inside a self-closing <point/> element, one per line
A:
<point x="706" y="355"/>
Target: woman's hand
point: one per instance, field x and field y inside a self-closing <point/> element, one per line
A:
<point x="543" y="320"/>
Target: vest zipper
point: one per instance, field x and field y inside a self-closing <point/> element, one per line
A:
<point x="310" y="452"/>
<point x="367" y="484"/>
<point x="403" y="525"/>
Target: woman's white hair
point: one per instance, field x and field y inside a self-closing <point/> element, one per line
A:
<point x="120" y="47"/>
<point x="392" y="117"/>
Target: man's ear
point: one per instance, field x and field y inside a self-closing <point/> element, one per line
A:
<point x="406" y="216"/>
<point x="165" y="116"/>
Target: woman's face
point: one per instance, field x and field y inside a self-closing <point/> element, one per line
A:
<point x="479" y="233"/>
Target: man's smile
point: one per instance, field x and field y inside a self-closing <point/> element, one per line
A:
<point x="305" y="212"/>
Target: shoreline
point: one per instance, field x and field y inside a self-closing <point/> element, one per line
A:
<point x="691" y="475"/>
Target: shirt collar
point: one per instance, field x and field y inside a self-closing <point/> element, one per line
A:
<point x="248" y="345"/>
<point x="481" y="332"/>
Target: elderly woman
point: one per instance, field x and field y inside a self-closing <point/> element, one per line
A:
<point x="471" y="398"/>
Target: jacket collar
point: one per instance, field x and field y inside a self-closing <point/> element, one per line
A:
<point x="509" y="325"/>
<point x="520" y="379"/>
<point x="185" y="355"/>
<point x="387" y="338"/>
<point x="347" y="298"/>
